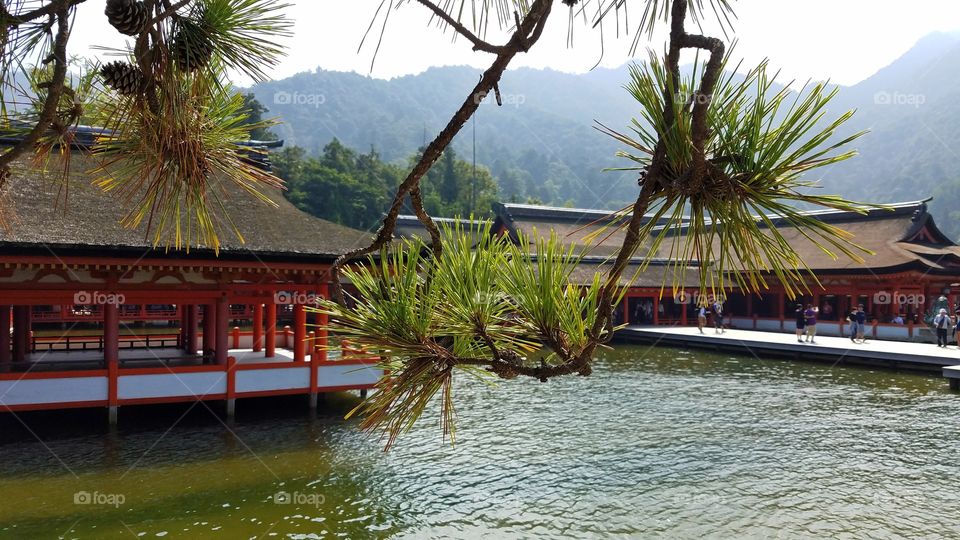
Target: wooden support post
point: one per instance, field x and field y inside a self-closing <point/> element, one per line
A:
<point x="322" y="334"/>
<point x="271" y="345"/>
<point x="231" y="386"/>
<point x="223" y="316"/>
<point x="955" y="385"/>
<point x="257" y="327"/>
<point x="209" y="330"/>
<point x="21" y="333"/>
<point x="182" y="334"/>
<point x="6" y="356"/>
<point x="193" y="316"/>
<point x="235" y="338"/>
<point x="319" y="353"/>
<point x="299" y="332"/>
<point x="111" y="356"/>
<point x="314" y="372"/>
<point x="363" y="393"/>
<point x="656" y="310"/>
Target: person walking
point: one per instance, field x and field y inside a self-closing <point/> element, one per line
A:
<point x="718" y="317"/>
<point x="858" y="323"/>
<point x="941" y="323"/>
<point x="801" y="322"/>
<point x="701" y="318"/>
<point x="811" y="322"/>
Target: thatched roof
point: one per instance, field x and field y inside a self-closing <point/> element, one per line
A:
<point x="87" y="222"/>
<point x="593" y="229"/>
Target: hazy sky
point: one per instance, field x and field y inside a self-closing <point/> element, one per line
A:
<point x="844" y="40"/>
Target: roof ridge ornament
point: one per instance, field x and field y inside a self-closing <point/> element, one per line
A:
<point x="920" y="211"/>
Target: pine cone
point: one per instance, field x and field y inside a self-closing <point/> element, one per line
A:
<point x="191" y="47"/>
<point x="129" y="17"/>
<point x="127" y="79"/>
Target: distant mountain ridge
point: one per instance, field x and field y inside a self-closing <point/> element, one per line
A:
<point x="542" y="144"/>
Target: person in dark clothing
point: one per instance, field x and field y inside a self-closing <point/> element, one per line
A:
<point x="718" y="317"/>
<point x="858" y="324"/>
<point x="942" y="323"/>
<point x="801" y="322"/>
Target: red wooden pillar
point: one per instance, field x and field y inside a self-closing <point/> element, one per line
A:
<point x="193" y="314"/>
<point x="182" y="336"/>
<point x="257" y="327"/>
<point x="231" y="386"/>
<point x="21" y="333"/>
<point x="209" y="330"/>
<point x="626" y="309"/>
<point x="111" y="356"/>
<point x="656" y="310"/>
<point x="271" y="345"/>
<point x="322" y="322"/>
<point x="299" y="332"/>
<point x="221" y="347"/>
<point x="5" y="354"/>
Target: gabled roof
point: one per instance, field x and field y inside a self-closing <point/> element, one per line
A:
<point x="90" y="223"/>
<point x="902" y="236"/>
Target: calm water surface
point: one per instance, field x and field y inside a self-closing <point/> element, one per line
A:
<point x="657" y="443"/>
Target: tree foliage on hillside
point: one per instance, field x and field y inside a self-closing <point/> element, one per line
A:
<point x="554" y="156"/>
<point x="353" y="189"/>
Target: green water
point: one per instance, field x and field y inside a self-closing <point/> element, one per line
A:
<point x="657" y="443"/>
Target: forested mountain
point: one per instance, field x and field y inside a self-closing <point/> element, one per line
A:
<point x="541" y="143"/>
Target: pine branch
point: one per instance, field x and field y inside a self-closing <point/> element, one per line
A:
<point x="478" y="44"/>
<point x="43" y="11"/>
<point x="49" y="111"/>
<point x="524" y="36"/>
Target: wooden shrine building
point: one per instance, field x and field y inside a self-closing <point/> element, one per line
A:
<point x="913" y="265"/>
<point x="82" y="297"/>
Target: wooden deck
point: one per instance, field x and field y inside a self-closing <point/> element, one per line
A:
<point x="926" y="357"/>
